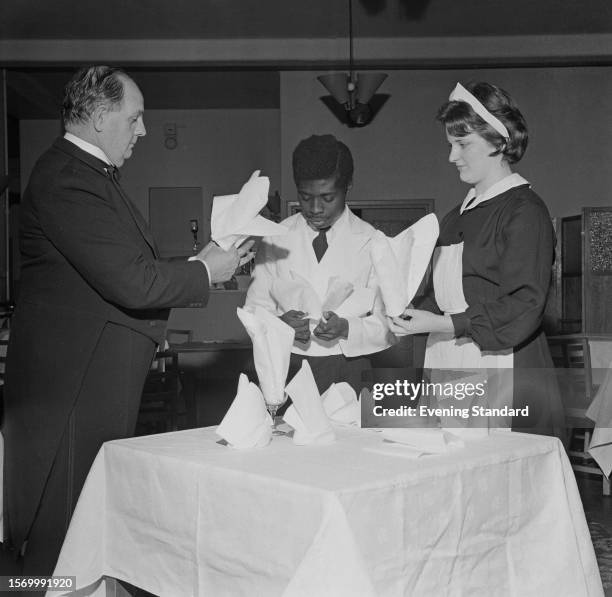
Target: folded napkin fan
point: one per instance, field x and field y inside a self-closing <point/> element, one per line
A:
<point x="236" y="217"/>
<point x="306" y="415"/>
<point x="247" y="423"/>
<point x="401" y="262"/>
<point x="341" y="405"/>
<point x="272" y="341"/>
<point x="340" y="297"/>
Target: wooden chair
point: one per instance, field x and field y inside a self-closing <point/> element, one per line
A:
<point x="160" y="401"/>
<point x="572" y="355"/>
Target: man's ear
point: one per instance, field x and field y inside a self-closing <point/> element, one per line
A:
<point x="98" y="117"/>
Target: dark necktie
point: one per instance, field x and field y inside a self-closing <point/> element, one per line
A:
<point x="319" y="244"/>
<point x="113" y="173"/>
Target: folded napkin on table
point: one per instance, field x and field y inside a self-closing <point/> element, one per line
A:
<point x="272" y="341"/>
<point x="415" y="442"/>
<point x="236" y="217"/>
<point x="247" y="423"/>
<point x="340" y="297"/>
<point x="341" y="405"/>
<point x="306" y="415"/>
<point x="400" y="262"/>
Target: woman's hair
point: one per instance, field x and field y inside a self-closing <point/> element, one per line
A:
<point x="89" y="88"/>
<point x="323" y="156"/>
<point x="460" y="120"/>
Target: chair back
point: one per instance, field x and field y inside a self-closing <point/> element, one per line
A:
<point x="160" y="400"/>
<point x="572" y="356"/>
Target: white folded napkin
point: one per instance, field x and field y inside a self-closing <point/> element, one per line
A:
<point x="272" y="341"/>
<point x="400" y="262"/>
<point x="425" y="440"/>
<point x="236" y="217"/>
<point x="340" y="297"/>
<point x="341" y="405"/>
<point x="306" y="415"/>
<point x="296" y="293"/>
<point x="247" y="423"/>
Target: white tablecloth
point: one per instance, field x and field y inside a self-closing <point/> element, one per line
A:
<point x="600" y="411"/>
<point x="179" y="515"/>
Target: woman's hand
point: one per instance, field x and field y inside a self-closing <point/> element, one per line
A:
<point x="415" y="321"/>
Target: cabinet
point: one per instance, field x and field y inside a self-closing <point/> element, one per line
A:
<point x="581" y="293"/>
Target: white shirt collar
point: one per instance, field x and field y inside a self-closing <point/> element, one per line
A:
<point x="336" y="228"/>
<point x="88" y="147"/>
<point x="503" y="185"/>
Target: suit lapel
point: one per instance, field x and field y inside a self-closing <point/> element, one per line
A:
<point x="137" y="217"/>
<point x="102" y="168"/>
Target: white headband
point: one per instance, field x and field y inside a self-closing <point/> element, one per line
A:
<point x="461" y="94"/>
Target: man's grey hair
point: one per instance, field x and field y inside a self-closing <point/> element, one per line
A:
<point x="91" y="87"/>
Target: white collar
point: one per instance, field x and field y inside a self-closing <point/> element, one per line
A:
<point x="336" y="228"/>
<point x="88" y="147"/>
<point x="501" y="186"/>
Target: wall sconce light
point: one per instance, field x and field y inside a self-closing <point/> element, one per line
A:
<point x="354" y="91"/>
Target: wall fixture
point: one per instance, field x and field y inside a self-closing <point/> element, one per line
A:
<point x="354" y="91"/>
<point x="170" y="137"/>
<point x="193" y="226"/>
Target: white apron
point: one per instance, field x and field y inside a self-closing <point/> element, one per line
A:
<point x="445" y="352"/>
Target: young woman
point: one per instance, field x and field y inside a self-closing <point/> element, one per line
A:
<point x="492" y="266"/>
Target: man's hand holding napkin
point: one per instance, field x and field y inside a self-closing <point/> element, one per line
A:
<point x="236" y="217"/>
<point x="247" y="423"/>
<point x="272" y="341"/>
<point x="400" y="262"/>
<point x="306" y="415"/>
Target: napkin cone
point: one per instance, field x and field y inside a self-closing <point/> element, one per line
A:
<point x="341" y="405"/>
<point x="340" y="297"/>
<point x="272" y="341"/>
<point x="247" y="423"/>
<point x="236" y="217"/>
<point x="296" y="293"/>
<point x="400" y="262"/>
<point x="306" y="415"/>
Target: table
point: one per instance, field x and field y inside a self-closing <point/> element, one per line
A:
<point x="179" y="514"/>
<point x="600" y="411"/>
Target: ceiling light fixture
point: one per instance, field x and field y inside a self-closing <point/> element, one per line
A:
<point x="353" y="91"/>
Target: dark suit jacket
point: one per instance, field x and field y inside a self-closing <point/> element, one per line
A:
<point x="88" y="259"/>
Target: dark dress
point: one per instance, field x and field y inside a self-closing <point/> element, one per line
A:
<point x="508" y="251"/>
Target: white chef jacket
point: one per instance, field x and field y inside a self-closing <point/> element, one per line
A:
<point x="347" y="256"/>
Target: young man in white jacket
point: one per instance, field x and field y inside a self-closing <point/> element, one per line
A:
<point x="325" y="240"/>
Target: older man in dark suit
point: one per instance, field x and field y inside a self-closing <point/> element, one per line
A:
<point x="93" y="304"/>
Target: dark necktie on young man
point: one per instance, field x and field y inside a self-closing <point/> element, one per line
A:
<point x="319" y="244"/>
